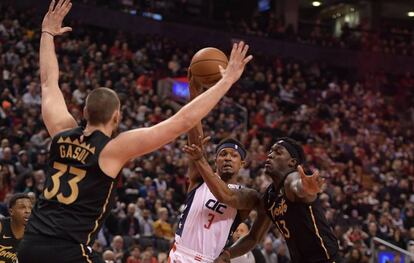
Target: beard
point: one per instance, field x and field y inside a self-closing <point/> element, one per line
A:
<point x="225" y="176"/>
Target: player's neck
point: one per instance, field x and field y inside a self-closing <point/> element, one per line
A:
<point x="17" y="230"/>
<point x="278" y="177"/>
<point x="105" y="129"/>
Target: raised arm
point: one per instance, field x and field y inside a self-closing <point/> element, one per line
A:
<point x="304" y="188"/>
<point x="138" y="142"/>
<point x="245" y="244"/>
<point x="54" y="111"/>
<point x="194" y="136"/>
<point x="244" y="199"/>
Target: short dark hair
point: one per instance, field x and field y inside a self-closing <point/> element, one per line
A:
<point x="101" y="103"/>
<point x="231" y="140"/>
<point x="16" y="197"/>
<point x="131" y="248"/>
<point x="297" y="148"/>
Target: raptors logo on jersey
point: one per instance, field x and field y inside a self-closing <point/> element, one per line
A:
<point x="205" y="224"/>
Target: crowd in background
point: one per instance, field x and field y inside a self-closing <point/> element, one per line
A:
<point x="387" y="38"/>
<point x="357" y="132"/>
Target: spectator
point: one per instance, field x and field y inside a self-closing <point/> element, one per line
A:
<point x="130" y="225"/>
<point x="269" y="255"/>
<point x="135" y="256"/>
<point x="162" y="228"/>
<point x="117" y="247"/>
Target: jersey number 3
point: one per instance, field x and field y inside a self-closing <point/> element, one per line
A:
<point x="73" y="183"/>
<point x="209" y="221"/>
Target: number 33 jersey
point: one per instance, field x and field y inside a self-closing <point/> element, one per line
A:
<point x="205" y="223"/>
<point x="304" y="227"/>
<point x="77" y="195"/>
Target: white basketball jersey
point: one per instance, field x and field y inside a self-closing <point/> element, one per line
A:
<point x="205" y="224"/>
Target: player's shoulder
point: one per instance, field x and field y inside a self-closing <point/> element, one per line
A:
<point x="68" y="132"/>
<point x="4" y="223"/>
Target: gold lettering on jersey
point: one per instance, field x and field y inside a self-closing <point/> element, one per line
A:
<point x="74" y="149"/>
<point x="279" y="210"/>
<point x="7" y="254"/>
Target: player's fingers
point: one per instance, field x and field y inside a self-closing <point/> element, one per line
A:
<point x="51" y="6"/>
<point x="65" y="29"/>
<point x="247" y="60"/>
<point x="240" y="47"/>
<point x="301" y="172"/>
<point x="316" y="174"/>
<point x="59" y="5"/>
<point x="244" y="51"/>
<point x="233" y="51"/>
<point x="67" y="8"/>
<point x="222" y="70"/>
<point x="205" y="140"/>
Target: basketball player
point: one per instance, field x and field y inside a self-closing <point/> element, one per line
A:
<point x="12" y="228"/>
<point x="84" y="162"/>
<point x="291" y="202"/>
<point x="206" y="222"/>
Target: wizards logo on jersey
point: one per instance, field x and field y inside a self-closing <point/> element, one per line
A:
<point x="216" y="206"/>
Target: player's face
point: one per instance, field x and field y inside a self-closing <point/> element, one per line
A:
<point x="228" y="162"/>
<point x="21" y="211"/>
<point x="241" y="231"/>
<point x="277" y="160"/>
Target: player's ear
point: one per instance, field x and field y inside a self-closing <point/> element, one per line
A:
<point x="116" y="117"/>
<point x="10" y="211"/>
<point x="293" y="163"/>
<point x="243" y="163"/>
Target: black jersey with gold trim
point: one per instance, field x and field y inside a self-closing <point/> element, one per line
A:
<point x="8" y="242"/>
<point x="304" y="227"/>
<point x="78" y="195"/>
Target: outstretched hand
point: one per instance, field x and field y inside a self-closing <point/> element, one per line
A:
<point x="52" y="22"/>
<point x="196" y="152"/>
<point x="195" y="87"/>
<point x="312" y="184"/>
<point x="237" y="62"/>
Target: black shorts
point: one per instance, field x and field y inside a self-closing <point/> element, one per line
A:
<point x="41" y="249"/>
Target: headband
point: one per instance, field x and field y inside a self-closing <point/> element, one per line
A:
<point x="292" y="151"/>
<point x="234" y="146"/>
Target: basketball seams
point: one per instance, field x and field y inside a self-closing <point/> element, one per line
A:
<point x="204" y="60"/>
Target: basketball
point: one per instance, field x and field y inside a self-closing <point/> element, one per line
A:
<point x="205" y="65"/>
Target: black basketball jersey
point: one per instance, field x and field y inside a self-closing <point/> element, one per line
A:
<point x="304" y="227"/>
<point x="78" y="195"/>
<point x="8" y="242"/>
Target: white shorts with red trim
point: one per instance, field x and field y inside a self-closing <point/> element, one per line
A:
<point x="180" y="254"/>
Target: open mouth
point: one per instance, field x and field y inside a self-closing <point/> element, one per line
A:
<point x="227" y="166"/>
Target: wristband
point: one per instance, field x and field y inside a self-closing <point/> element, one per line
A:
<point x="47" y="32"/>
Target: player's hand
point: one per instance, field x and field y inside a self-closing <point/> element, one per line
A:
<point x="312" y="184"/>
<point x="237" y="62"/>
<point x="52" y="22"/>
<point x="223" y="258"/>
<point x="195" y="87"/>
<point x="196" y="152"/>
